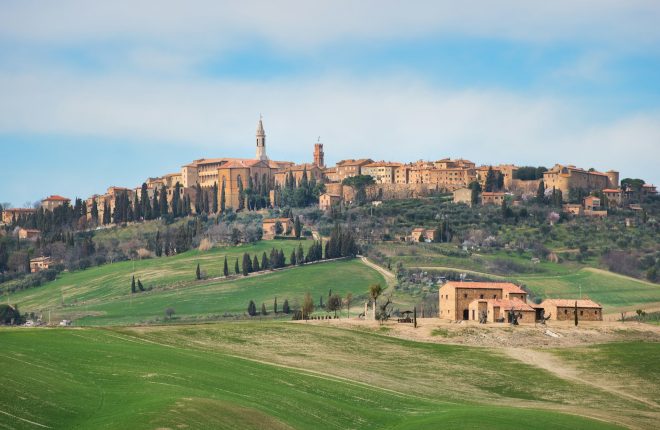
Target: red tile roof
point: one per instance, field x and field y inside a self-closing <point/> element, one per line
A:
<point x="582" y="303"/>
<point x="57" y="198"/>
<point x="504" y="286"/>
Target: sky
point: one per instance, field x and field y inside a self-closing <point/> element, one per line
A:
<point x="94" y="94"/>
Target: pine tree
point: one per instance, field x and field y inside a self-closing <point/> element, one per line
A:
<point x="236" y="269"/>
<point x="198" y="273"/>
<point x="225" y="269"/>
<point x="133" y="290"/>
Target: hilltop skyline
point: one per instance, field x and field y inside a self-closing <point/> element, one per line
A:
<point x="97" y="97"/>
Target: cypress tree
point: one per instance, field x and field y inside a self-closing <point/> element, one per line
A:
<point x="137" y="208"/>
<point x="540" y="192"/>
<point x="163" y="200"/>
<point x="225" y="269"/>
<point x="215" y="197"/>
<point x="95" y="211"/>
<point x="246" y="264"/>
<point x="255" y="264"/>
<point x="241" y="194"/>
<point x="236" y="269"/>
<point x="198" y="199"/>
<point x="275" y="305"/>
<point x="285" y="306"/>
<point x="264" y="261"/>
<point x="155" y="208"/>
<point x="198" y="273"/>
<point x="144" y="201"/>
<point x="263" y="309"/>
<point x="222" y="196"/>
<point x="297" y="227"/>
<point x="300" y="257"/>
<point x="176" y="205"/>
<point x="293" y="257"/>
<point x="252" y="308"/>
<point x="133" y="291"/>
<point x="140" y="286"/>
<point x="490" y="180"/>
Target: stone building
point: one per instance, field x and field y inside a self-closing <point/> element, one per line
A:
<point x="463" y="195"/>
<point x="297" y="171"/>
<point x="382" y="172"/>
<point x="499" y="310"/>
<point x="421" y="234"/>
<point x="52" y="202"/>
<point x="564" y="309"/>
<point x="327" y="201"/>
<point x="14" y="214"/>
<point x="492" y="198"/>
<point x="319" y="159"/>
<point x="270" y="226"/>
<point x="28" y="233"/>
<point x="455" y="297"/>
<point x="40" y="263"/>
<point x="565" y="178"/>
<point x="349" y="168"/>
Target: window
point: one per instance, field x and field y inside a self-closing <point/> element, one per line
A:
<point x="494" y="296"/>
<point x="565" y="311"/>
<point x="481" y="296"/>
<point x="581" y="312"/>
<point x="465" y="296"/>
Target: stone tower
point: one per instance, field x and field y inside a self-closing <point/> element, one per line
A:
<point x="613" y="178"/>
<point x="318" y="155"/>
<point x="261" y="141"/>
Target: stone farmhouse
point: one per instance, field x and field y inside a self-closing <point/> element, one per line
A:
<point x="40" y="263"/>
<point x="493" y="301"/>
<point x="564" y="309"/>
<point x="270" y="227"/>
<point x="421" y="234"/>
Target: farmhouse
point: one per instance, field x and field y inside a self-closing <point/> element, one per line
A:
<point x="564" y="309"/>
<point x="497" y="310"/>
<point x="40" y="263"/>
<point x="492" y="198"/>
<point x="421" y="234"/>
<point x="276" y="227"/>
<point x="456" y="298"/>
<point x="28" y="233"/>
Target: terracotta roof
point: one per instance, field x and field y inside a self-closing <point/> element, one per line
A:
<point x="611" y="190"/>
<point x="354" y="162"/>
<point x="504" y="286"/>
<point x="57" y="198"/>
<point x="582" y="303"/>
<point x="507" y="304"/>
<point x="383" y="164"/>
<point x="241" y="163"/>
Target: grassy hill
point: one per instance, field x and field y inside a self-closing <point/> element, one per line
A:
<point x="282" y="375"/>
<point x="545" y="279"/>
<point x="101" y="295"/>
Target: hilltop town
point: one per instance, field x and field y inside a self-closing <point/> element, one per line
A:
<point x="211" y="185"/>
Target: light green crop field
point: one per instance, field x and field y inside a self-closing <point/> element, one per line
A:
<point x="293" y="376"/>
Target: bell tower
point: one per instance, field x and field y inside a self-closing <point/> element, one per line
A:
<point x="261" y="141"/>
<point x="318" y="154"/>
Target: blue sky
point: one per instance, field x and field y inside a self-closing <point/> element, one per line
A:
<point x="96" y="94"/>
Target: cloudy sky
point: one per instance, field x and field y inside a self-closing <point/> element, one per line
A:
<point x="94" y="94"/>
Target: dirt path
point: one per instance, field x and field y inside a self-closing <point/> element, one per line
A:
<point x="390" y="278"/>
<point x="560" y="368"/>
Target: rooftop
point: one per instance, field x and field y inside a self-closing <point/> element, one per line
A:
<point x="56" y="198"/>
<point x="504" y="286"/>
<point x="581" y="303"/>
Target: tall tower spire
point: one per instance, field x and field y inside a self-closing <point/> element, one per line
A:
<point x="261" y="141"/>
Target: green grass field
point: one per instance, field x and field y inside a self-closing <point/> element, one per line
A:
<point x="214" y="376"/>
<point x="545" y="279"/>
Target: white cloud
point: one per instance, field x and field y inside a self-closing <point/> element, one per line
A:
<point x="295" y="25"/>
<point x="399" y="118"/>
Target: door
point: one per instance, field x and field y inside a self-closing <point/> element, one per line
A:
<point x="466" y="314"/>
